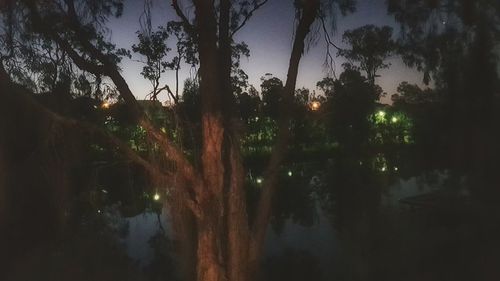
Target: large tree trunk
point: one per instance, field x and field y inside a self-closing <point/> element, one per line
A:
<point x="210" y="255"/>
<point x="234" y="252"/>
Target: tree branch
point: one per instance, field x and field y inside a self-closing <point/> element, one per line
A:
<point x="17" y="92"/>
<point x="180" y="13"/>
<point x="329" y="62"/>
<point x="110" y="69"/>
<point x="248" y="16"/>
<point x="169" y="91"/>
<point x="327" y="35"/>
<point x="81" y="62"/>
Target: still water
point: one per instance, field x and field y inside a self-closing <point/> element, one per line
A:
<point x="344" y="219"/>
<point x="327" y="227"/>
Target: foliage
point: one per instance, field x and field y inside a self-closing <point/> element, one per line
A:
<point x="412" y="94"/>
<point x="436" y="34"/>
<point x="351" y="102"/>
<point x="153" y="46"/>
<point x="272" y="97"/>
<point x="369" y="46"/>
<point x="249" y="104"/>
<point x="391" y="128"/>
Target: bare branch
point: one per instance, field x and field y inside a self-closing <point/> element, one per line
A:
<point x="327" y="36"/>
<point x="248" y="16"/>
<point x="170" y="93"/>
<point x="329" y="62"/>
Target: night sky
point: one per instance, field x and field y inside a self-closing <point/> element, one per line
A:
<point x="269" y="37"/>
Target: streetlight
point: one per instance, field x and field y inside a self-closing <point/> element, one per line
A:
<point x="105" y="105"/>
<point x="315" y="105"/>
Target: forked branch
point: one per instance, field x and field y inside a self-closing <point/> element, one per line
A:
<point x="248" y="16"/>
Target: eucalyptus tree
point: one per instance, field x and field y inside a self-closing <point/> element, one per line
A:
<point x="207" y="195"/>
<point x="370" y="46"/>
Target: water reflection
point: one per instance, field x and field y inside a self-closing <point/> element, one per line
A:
<point x="372" y="220"/>
<point x="345" y="219"/>
<point x="355" y="216"/>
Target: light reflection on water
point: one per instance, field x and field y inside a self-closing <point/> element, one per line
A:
<point x="320" y="239"/>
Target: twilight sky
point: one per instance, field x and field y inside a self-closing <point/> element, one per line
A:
<point x="269" y="37"/>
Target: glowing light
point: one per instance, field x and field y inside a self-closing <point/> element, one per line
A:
<point x="381" y="113"/>
<point x="156" y="197"/>
<point x="98" y="211"/>
<point x="105" y="105"/>
<point x="256" y="118"/>
<point x="394" y="120"/>
<point x="396" y="169"/>
<point x="383" y="169"/>
<point x="259" y="180"/>
<point x="315" y="105"/>
<point x="290" y="173"/>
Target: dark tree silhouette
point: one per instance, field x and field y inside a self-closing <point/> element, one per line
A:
<point x="370" y="46"/>
<point x="351" y="102"/>
<point x="452" y="42"/>
<point x="271" y="89"/>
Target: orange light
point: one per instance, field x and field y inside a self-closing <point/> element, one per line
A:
<point x="315" y="105"/>
<point x="105" y="105"/>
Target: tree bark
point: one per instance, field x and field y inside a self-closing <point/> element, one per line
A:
<point x="210" y="254"/>
<point x="238" y="238"/>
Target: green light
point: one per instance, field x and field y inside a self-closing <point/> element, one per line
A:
<point x="290" y="173"/>
<point x="156" y="197"/>
<point x="394" y="119"/>
<point x="381" y="113"/>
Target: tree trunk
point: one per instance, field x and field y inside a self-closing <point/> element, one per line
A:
<point x="238" y="238"/>
<point x="259" y="228"/>
<point x="209" y="256"/>
<point x="184" y="236"/>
